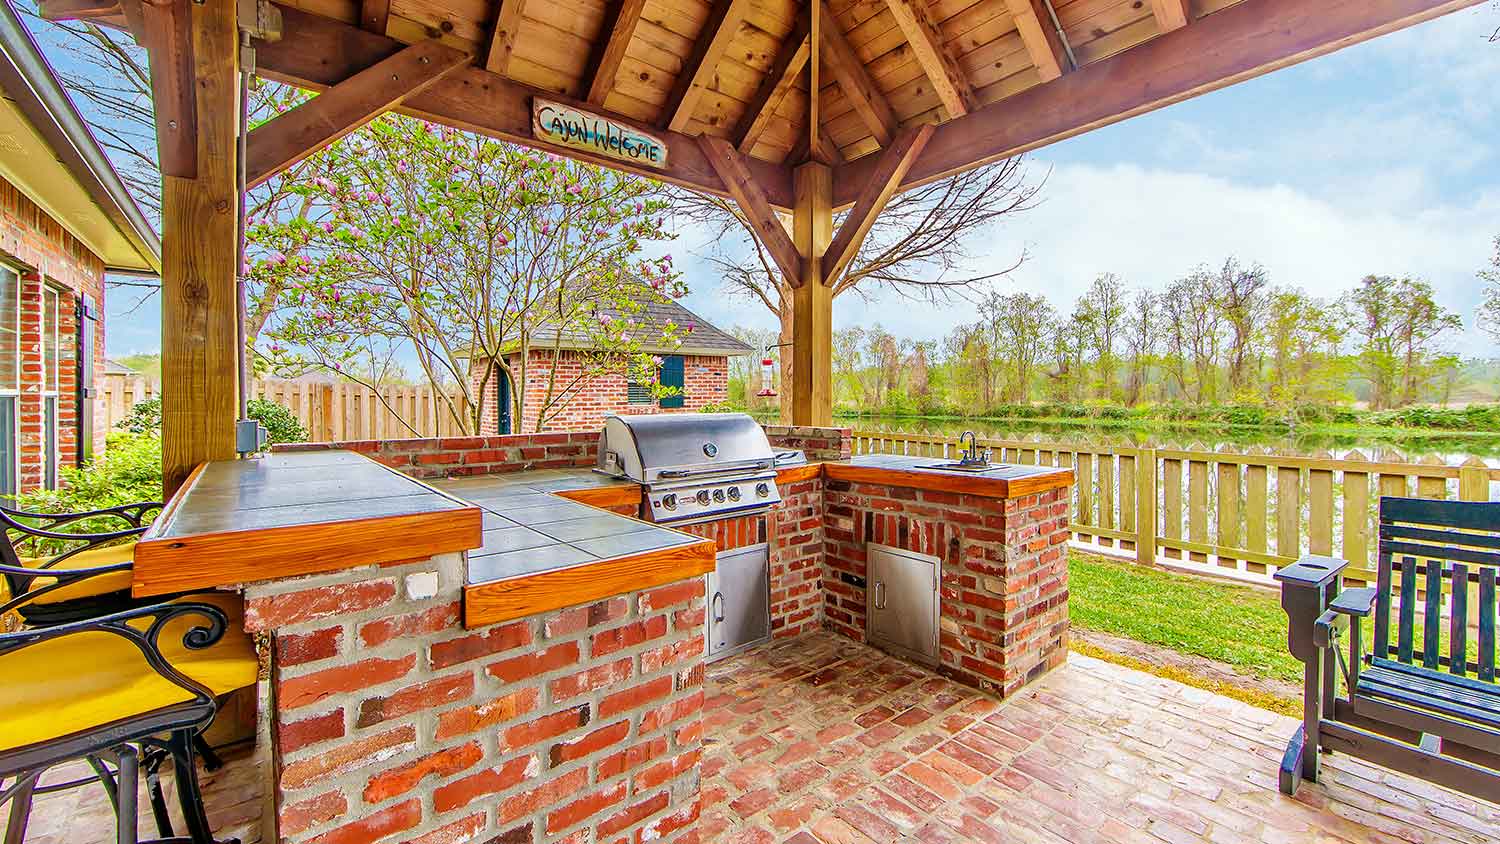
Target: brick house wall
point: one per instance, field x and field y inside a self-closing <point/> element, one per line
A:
<point x="705" y="382"/>
<point x="46" y="255"/>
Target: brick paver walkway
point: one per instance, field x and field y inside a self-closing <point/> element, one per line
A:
<point x="817" y="739"/>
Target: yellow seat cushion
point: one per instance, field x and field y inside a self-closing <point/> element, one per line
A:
<point x="84" y="680"/>
<point x="118" y="581"/>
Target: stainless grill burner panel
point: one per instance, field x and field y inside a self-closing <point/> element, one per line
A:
<point x="694" y="466"/>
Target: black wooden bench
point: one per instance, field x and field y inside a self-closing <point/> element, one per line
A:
<point x="1414" y="703"/>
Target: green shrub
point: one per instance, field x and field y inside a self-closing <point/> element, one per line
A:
<point x="128" y="472"/>
<point x="280" y="423"/>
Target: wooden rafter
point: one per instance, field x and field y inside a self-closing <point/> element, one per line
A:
<point x="291" y="136"/>
<point x="604" y="65"/>
<point x="503" y="36"/>
<point x="66" y="10"/>
<point x="1170" y="14"/>
<point x="1238" y="42"/>
<point x="1039" y="34"/>
<point x="895" y="160"/>
<point x="948" y="79"/>
<point x="169" y="42"/>
<point x="854" y="80"/>
<point x="782" y="78"/>
<point x="812" y="134"/>
<point x="827" y="152"/>
<point x="375" y="15"/>
<point x="317" y="53"/>
<point x="753" y="203"/>
<point x="698" y="71"/>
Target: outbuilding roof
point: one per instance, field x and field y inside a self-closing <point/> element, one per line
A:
<point x="697" y="335"/>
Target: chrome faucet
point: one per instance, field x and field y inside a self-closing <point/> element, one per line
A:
<point x="972" y="456"/>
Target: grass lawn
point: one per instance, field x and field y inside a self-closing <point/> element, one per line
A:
<point x="1239" y="625"/>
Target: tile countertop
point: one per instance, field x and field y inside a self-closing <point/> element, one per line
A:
<point x="542" y="550"/>
<point x="1004" y="480"/>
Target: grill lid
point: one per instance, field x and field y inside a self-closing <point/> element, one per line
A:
<point x="671" y="446"/>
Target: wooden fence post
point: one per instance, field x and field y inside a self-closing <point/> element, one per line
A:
<point x="1473" y="481"/>
<point x="1145" y="507"/>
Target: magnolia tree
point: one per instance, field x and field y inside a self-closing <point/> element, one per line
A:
<point x="468" y="254"/>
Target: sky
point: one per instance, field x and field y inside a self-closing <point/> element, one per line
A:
<point x="1382" y="158"/>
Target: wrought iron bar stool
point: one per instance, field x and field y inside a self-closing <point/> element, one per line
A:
<point x="100" y="555"/>
<point x="140" y="683"/>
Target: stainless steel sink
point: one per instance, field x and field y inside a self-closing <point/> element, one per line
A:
<point x="975" y="468"/>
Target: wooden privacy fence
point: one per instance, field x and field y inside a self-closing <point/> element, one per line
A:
<point x="330" y="412"/>
<point x="1227" y="512"/>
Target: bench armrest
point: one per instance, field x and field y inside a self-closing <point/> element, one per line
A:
<point x="1328" y="626"/>
<point x="1357" y="602"/>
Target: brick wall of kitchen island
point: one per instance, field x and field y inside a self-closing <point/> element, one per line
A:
<point x="443" y="457"/>
<point x="1004" y="592"/>
<point x="818" y="443"/>
<point x="392" y="723"/>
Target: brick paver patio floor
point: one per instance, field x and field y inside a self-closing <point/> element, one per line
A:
<point x="818" y="739"/>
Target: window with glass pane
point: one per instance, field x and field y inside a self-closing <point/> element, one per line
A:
<point x="8" y="445"/>
<point x="51" y="340"/>
<point x="10" y="333"/>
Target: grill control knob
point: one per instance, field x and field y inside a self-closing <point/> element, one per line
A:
<point x="669" y="501"/>
<point x="734" y="493"/>
<point x="703" y="496"/>
<point x="762" y="490"/>
<point x="719" y="495"/>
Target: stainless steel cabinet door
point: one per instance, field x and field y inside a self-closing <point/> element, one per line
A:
<point x="901" y="598"/>
<point x="739" y="600"/>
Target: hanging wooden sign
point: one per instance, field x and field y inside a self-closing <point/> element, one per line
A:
<point x="567" y="126"/>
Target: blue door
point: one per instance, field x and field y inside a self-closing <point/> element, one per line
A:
<point x="672" y="376"/>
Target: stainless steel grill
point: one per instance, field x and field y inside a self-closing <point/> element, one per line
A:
<point x="694" y="466"/>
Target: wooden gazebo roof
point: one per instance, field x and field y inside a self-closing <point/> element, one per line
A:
<point x="907" y="91"/>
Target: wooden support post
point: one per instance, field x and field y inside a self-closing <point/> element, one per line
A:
<point x="812" y="300"/>
<point x="200" y="373"/>
<point x="1145" y="507"/>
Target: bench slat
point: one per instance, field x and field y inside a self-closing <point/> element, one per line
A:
<point x="1382" y="633"/>
<point x="1443" y="537"/>
<point x="1432" y="613"/>
<point x="1408" y="620"/>
<point x="1418" y="680"/>
<point x="1442" y="552"/>
<point x="1458" y="622"/>
<point x="1465" y="515"/>
<point x="1449" y="679"/>
<point x="1487" y="625"/>
<point x="1444" y="703"/>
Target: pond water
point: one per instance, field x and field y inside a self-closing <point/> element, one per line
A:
<point x="1409" y="445"/>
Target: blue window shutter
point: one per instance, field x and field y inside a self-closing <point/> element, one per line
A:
<point x="672" y="376"/>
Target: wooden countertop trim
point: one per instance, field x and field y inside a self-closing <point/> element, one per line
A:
<point x="603" y="497"/>
<point x="793" y="474"/>
<point x="169" y="564"/>
<point x="525" y="595"/>
<point x="949" y="482"/>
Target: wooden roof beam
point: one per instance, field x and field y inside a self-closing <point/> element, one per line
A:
<point x="782" y="78"/>
<point x="291" y="136"/>
<point x="758" y="212"/>
<point x="317" y="53"/>
<point x="169" y="44"/>
<point x="375" y="15"/>
<point x="698" y="71"/>
<point x="70" y="10"/>
<point x="503" y="36"/>
<point x="1239" y="42"/>
<point x="949" y="82"/>
<point x="868" y="100"/>
<point x="1043" y="42"/>
<point x="1171" y="14"/>
<point x="604" y="65"/>
<point x="895" y="161"/>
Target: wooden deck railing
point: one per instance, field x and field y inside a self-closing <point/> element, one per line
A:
<point x="1243" y="513"/>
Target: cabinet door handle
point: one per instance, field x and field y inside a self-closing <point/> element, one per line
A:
<point x="880" y="594"/>
<point x="717" y="605"/>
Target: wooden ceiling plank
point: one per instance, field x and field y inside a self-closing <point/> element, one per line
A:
<point x="1242" y="41"/>
<point x="854" y="80"/>
<point x="952" y="87"/>
<point x="758" y="212"/>
<point x="503" y="36"/>
<point x="291" y="136"/>
<point x="375" y="15"/>
<point x="779" y="82"/>
<point x="1043" y="43"/>
<point x="698" y="71"/>
<point x="169" y="43"/>
<point x="1171" y="14"/>
<point x="317" y="53"/>
<point x="604" y="66"/>
<point x="894" y="163"/>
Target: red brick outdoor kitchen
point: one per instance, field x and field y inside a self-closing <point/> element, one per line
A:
<point x="391" y="722"/>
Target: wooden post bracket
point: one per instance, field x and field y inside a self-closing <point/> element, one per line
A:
<point x="895" y="160"/>
<point x="292" y="136"/>
<point x="741" y="185"/>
